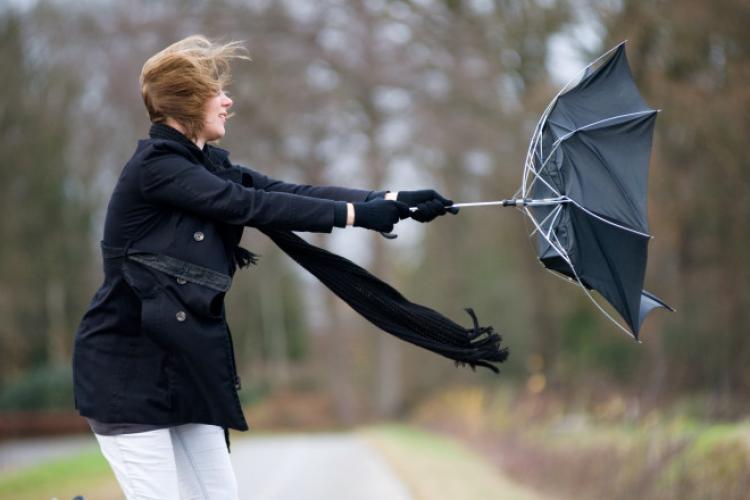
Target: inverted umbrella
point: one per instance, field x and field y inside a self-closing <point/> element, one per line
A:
<point x="584" y="187"/>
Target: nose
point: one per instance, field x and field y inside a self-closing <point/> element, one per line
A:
<point x="227" y="102"/>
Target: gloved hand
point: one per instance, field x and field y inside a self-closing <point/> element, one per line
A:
<point x="379" y="214"/>
<point x="429" y="203"/>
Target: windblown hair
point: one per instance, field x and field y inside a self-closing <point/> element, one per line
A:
<point x="178" y="81"/>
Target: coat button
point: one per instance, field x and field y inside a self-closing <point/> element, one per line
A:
<point x="180" y="315"/>
<point x="181" y="281"/>
<point x="237" y="382"/>
<point x="198" y="236"/>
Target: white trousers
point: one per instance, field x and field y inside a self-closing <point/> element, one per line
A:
<point x="185" y="462"/>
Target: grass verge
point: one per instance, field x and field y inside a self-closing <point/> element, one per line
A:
<point x="436" y="467"/>
<point x="86" y="473"/>
<point x="606" y="448"/>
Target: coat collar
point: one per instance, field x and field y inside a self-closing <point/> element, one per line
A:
<point x="164" y="131"/>
<point x="211" y="156"/>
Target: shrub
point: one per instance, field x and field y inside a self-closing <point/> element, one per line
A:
<point x="42" y="388"/>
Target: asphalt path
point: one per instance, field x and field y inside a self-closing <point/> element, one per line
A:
<point x="326" y="466"/>
<point x="20" y="453"/>
<point x="313" y="467"/>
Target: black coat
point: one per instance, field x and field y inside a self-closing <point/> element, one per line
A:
<point x="153" y="346"/>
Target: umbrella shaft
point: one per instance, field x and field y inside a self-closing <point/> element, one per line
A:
<point x="519" y="202"/>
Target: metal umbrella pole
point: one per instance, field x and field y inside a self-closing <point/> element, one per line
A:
<point x="513" y="202"/>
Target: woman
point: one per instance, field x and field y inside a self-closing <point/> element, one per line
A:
<point x="154" y="368"/>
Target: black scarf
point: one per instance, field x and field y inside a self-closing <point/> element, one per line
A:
<point x="374" y="299"/>
<point x="386" y="308"/>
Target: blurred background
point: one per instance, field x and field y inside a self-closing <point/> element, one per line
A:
<point x="398" y="95"/>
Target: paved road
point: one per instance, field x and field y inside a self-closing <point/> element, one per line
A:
<point x="313" y="467"/>
<point x="20" y="453"/>
<point x="275" y="467"/>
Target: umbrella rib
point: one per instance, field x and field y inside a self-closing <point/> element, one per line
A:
<point x="551" y="214"/>
<point x="557" y="212"/>
<point x="606" y="221"/>
<point x="603" y="120"/>
<point x="529" y="163"/>
<point x="558" y="248"/>
<point x="604" y="311"/>
<point x="529" y="167"/>
<point x="537" y="176"/>
<point x="588" y="126"/>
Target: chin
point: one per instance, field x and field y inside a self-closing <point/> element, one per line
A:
<point x="216" y="135"/>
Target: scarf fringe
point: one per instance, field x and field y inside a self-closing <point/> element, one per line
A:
<point x="244" y="257"/>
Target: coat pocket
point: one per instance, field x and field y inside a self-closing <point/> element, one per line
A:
<point x="175" y="310"/>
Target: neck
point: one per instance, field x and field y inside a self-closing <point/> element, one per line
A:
<point x="200" y="141"/>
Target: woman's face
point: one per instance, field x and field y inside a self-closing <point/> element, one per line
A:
<point x="217" y="109"/>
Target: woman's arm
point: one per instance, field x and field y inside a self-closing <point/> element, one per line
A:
<point x="266" y="183"/>
<point x="168" y="178"/>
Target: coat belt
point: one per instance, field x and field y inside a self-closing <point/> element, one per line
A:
<point x="174" y="267"/>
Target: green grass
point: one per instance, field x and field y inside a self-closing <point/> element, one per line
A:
<point x="86" y="473"/>
<point x="439" y="468"/>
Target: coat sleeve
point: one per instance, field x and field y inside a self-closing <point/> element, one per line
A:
<point x="167" y="178"/>
<point x="266" y="183"/>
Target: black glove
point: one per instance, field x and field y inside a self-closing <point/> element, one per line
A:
<point x="379" y="214"/>
<point x="429" y="204"/>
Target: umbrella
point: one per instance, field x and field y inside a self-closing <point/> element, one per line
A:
<point x="584" y="187"/>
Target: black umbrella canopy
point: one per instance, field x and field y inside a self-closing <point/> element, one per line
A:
<point x="591" y="152"/>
